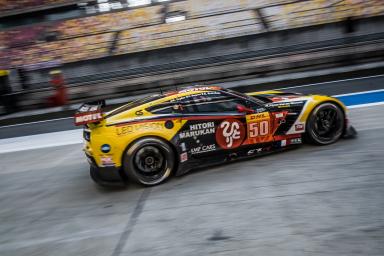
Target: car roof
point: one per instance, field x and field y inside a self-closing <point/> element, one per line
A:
<point x="162" y="97"/>
<point x="192" y="89"/>
<point x="187" y="90"/>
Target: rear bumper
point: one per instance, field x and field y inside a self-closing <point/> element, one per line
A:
<point x="105" y="176"/>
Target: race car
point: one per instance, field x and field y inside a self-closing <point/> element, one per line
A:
<point x="149" y="139"/>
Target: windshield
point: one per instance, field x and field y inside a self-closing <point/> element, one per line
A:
<point x="247" y="97"/>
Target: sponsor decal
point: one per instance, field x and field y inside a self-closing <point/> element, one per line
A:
<point x="168" y="124"/>
<point x="279" y="105"/>
<point x="259" y="116"/>
<point x="283" y="98"/>
<point x="107" y="161"/>
<point x="299" y="127"/>
<point x="254" y="151"/>
<point x="283" y="143"/>
<point x="105" y="148"/>
<point x="279" y="118"/>
<point x="279" y="115"/>
<point x="203" y="149"/>
<point x="188" y="97"/>
<point x="285" y="104"/>
<point x="124" y="130"/>
<point x="196" y="130"/>
<point x="259" y="110"/>
<point x="200" y="89"/>
<point x="88" y="108"/>
<point x="230" y="134"/>
<point x="295" y="141"/>
<point x="183" y="147"/>
<point x="183" y="157"/>
<point x="84" y="118"/>
<point x="259" y="128"/>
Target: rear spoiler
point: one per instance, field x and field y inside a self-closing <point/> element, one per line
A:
<point x="90" y="112"/>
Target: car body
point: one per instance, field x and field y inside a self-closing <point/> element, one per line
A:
<point x="149" y="139"/>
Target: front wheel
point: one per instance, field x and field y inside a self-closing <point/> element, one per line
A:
<point x="325" y="124"/>
<point x="149" y="161"/>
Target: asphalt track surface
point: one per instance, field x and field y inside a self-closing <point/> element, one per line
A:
<point x="307" y="201"/>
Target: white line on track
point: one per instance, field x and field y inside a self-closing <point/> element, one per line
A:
<point x="45" y="140"/>
<point x="329" y="82"/>
<point x="357" y="93"/>
<point x="367" y="105"/>
<point x="36" y="122"/>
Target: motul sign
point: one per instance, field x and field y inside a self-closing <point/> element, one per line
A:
<point x="86" y="118"/>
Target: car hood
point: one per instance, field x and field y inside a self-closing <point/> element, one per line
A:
<point x="278" y="96"/>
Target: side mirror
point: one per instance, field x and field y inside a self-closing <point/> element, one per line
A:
<point x="243" y="109"/>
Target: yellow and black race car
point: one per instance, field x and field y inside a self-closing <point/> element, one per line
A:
<point x="148" y="140"/>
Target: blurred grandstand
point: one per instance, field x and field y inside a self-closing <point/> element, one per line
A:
<point x="79" y="36"/>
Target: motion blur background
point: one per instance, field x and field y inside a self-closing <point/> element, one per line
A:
<point x="56" y="54"/>
<point x="112" y="49"/>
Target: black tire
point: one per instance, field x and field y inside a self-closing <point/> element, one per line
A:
<point x="149" y="161"/>
<point x="94" y="175"/>
<point x="325" y="124"/>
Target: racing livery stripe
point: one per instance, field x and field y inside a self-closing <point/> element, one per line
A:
<point x="175" y="117"/>
<point x="286" y="137"/>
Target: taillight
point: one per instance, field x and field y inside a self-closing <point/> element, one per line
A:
<point x="87" y="134"/>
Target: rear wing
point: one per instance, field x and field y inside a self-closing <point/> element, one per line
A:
<point x="90" y="112"/>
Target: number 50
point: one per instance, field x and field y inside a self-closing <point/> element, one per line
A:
<point x="258" y="129"/>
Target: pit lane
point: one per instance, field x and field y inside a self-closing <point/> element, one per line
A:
<point x="336" y="87"/>
<point x="308" y="201"/>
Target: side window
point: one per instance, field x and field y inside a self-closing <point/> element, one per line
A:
<point x="225" y="105"/>
<point x="255" y="106"/>
<point x="250" y="102"/>
<point x="212" y="102"/>
<point x="203" y="102"/>
<point x="165" y="108"/>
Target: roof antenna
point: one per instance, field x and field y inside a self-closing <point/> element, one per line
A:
<point x="161" y="91"/>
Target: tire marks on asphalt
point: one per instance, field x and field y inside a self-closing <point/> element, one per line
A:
<point x="131" y="222"/>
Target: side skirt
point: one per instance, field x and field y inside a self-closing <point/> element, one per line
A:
<point x="243" y="154"/>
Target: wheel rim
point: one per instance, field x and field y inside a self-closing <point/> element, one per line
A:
<point x="149" y="160"/>
<point x="150" y="164"/>
<point x="327" y="125"/>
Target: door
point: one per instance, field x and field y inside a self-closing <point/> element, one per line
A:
<point x="214" y="126"/>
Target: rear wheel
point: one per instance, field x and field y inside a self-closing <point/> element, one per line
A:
<point x="149" y="161"/>
<point x="325" y="124"/>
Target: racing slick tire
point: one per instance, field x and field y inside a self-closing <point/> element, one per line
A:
<point x="149" y="161"/>
<point x="325" y="124"/>
<point x="94" y="175"/>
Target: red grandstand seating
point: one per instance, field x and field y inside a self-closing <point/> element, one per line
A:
<point x="110" y="22"/>
<point x="189" y="31"/>
<point x="316" y="12"/>
<point x="142" y="28"/>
